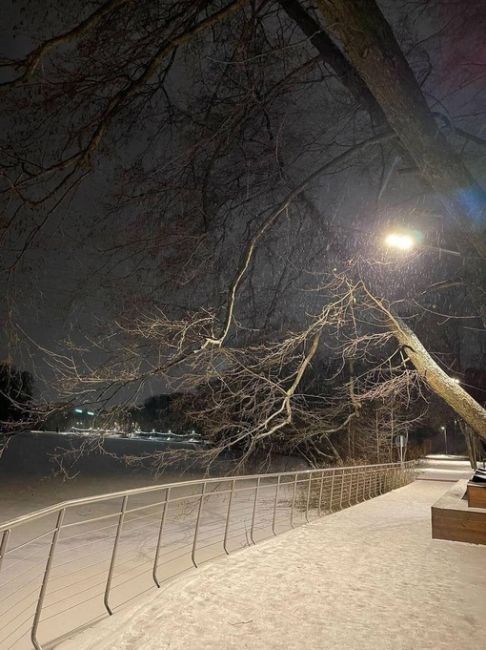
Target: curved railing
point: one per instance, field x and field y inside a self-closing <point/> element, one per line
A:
<point x="65" y="566"/>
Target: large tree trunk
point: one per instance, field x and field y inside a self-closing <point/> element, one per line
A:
<point x="370" y="46"/>
<point x="432" y="374"/>
<point x="470" y="438"/>
<point x="449" y="390"/>
<point x="333" y="57"/>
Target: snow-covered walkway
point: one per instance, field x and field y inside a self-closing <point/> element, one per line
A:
<point x="369" y="577"/>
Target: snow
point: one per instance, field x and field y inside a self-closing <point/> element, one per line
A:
<point x="74" y="597"/>
<point x="368" y="577"/>
<point x="21" y="494"/>
<point x="444" y="468"/>
<point x="78" y="575"/>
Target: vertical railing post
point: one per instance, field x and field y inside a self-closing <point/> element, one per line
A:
<point x="45" y="580"/>
<point x="159" y="537"/>
<point x="228" y="515"/>
<point x="331" y="497"/>
<point x="308" y="499"/>
<point x="121" y="518"/>
<point x="275" y="506"/>
<point x="321" y="488"/>
<point x="196" y="528"/>
<point x="342" y="491"/>
<point x="350" y="493"/>
<point x="3" y="545"/>
<point x="293" y="501"/>
<point x="253" y="514"/>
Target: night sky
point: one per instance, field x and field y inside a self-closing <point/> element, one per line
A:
<point x="69" y="283"/>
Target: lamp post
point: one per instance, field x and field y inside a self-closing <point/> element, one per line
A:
<point x="444" y="430"/>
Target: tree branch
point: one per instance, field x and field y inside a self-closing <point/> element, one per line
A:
<point x="32" y="60"/>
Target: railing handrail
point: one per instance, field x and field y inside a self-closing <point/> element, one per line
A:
<point x="64" y="505"/>
<point x="257" y="516"/>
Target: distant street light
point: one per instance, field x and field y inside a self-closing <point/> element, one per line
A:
<point x="444" y="430"/>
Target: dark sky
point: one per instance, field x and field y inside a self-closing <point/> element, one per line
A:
<point x="62" y="287"/>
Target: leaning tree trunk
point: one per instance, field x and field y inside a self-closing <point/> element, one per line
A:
<point x="429" y="370"/>
<point x="438" y="381"/>
<point x="370" y="46"/>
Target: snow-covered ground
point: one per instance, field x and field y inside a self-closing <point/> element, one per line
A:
<point x="79" y="571"/>
<point x="369" y="577"/>
<point x="440" y="467"/>
<point x="75" y="594"/>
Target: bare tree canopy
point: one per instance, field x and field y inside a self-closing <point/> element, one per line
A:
<point x="213" y="182"/>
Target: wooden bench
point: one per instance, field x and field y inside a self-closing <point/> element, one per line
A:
<point x="453" y="519"/>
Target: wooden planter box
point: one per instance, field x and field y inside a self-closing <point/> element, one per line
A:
<point x="476" y="495"/>
<point x="453" y="519"/>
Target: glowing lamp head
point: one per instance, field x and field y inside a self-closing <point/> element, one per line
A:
<point x="400" y="241"/>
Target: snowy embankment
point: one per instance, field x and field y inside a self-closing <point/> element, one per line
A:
<point x="366" y="577"/>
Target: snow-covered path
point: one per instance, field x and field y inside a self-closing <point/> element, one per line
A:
<point x="366" y="577"/>
<point x="439" y="467"/>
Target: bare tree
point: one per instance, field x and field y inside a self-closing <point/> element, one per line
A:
<point x="230" y="133"/>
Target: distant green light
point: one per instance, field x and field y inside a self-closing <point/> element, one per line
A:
<point x="90" y="412"/>
<point x="78" y="410"/>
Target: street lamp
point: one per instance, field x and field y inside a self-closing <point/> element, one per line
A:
<point x="406" y="241"/>
<point x="444" y="430"/>
<point x="400" y="241"/>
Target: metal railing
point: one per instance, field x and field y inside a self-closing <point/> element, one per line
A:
<point x="65" y="566"/>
